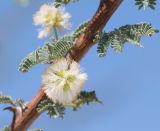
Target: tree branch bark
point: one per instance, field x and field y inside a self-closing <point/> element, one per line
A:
<point x="83" y="44"/>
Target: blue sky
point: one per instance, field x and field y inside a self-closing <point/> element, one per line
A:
<point x="127" y="83"/>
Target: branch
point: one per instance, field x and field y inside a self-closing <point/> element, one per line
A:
<point x="97" y="23"/>
<point x="83" y="44"/>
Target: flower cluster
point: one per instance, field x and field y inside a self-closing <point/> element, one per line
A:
<point x="50" y="17"/>
<point x="63" y="81"/>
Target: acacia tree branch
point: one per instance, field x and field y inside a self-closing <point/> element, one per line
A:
<point x="83" y="44"/>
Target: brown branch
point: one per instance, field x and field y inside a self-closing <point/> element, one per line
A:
<point x="83" y="44"/>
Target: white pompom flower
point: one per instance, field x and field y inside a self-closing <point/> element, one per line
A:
<point x="50" y="17"/>
<point x="63" y="81"/>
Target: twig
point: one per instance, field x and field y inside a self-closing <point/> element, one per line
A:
<point x="83" y="44"/>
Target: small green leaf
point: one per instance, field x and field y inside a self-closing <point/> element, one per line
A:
<point x="146" y="4"/>
<point x="129" y="33"/>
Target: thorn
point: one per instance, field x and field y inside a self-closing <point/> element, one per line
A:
<point x="13" y="110"/>
<point x="10" y="108"/>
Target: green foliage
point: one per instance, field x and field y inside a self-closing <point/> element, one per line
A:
<point x="85" y="98"/>
<point x="128" y="33"/>
<point x="53" y="109"/>
<point x="5" y="129"/>
<point x="79" y="30"/>
<point x="20" y="102"/>
<point x="8" y="100"/>
<point x="47" y="53"/>
<point x="63" y="2"/>
<point x="146" y="4"/>
<point x="36" y="130"/>
<point x="56" y="110"/>
<point x="51" y="51"/>
<point x="23" y="3"/>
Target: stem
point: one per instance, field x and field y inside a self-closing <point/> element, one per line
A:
<point x="55" y="33"/>
<point x="82" y="45"/>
